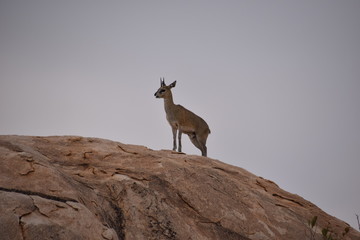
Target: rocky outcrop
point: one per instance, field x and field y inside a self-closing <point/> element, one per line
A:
<point x="88" y="188"/>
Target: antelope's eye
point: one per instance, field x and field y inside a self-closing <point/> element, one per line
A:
<point x="161" y="91"/>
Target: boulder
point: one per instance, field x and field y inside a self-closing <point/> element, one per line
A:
<point x="87" y="188"/>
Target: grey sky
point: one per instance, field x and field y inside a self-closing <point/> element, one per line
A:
<point x="278" y="82"/>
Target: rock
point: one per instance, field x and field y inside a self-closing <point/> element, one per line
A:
<point x="88" y="188"/>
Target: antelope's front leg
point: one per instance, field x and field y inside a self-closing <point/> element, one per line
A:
<point x="174" y="131"/>
<point x="179" y="149"/>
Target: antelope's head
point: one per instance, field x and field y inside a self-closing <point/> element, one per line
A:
<point x="164" y="91"/>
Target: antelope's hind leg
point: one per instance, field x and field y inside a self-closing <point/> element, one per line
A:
<point x="195" y="141"/>
<point x="202" y="142"/>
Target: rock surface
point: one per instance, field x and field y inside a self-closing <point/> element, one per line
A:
<point x="88" y="188"/>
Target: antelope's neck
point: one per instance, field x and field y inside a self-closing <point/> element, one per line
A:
<point x="168" y="103"/>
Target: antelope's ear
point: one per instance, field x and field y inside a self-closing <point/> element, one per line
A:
<point x="173" y="84"/>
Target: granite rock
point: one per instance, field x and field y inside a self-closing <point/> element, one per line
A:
<point x="67" y="187"/>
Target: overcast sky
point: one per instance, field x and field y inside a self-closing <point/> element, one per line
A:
<point x="278" y="82"/>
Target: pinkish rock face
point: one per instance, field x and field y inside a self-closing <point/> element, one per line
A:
<point x="86" y="188"/>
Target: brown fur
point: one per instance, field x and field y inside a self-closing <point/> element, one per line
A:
<point x="183" y="121"/>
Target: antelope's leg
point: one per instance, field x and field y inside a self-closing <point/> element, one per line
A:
<point x="174" y="131"/>
<point x="179" y="149"/>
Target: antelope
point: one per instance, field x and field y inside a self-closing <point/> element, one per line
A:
<point x="182" y="120"/>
